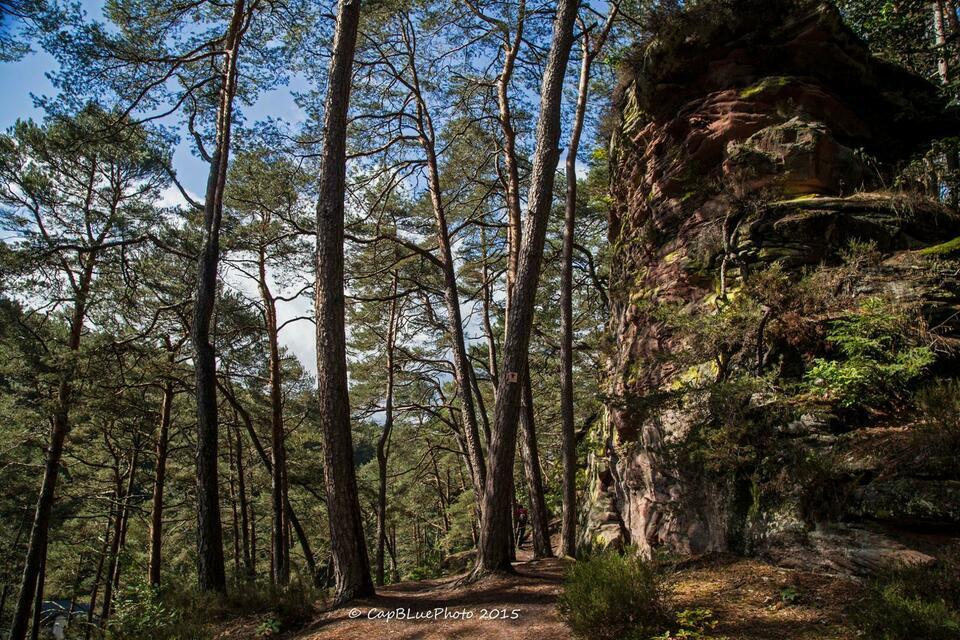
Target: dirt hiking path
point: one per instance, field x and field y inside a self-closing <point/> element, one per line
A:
<point x="522" y="606"/>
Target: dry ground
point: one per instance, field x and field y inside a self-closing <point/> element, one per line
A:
<point x="751" y="600"/>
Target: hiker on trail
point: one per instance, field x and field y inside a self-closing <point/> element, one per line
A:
<point x="520" y="517"/>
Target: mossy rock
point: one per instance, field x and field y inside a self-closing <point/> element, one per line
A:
<point x="949" y="249"/>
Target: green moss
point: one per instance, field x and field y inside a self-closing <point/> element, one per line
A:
<point x="772" y="82"/>
<point x="944" y="250"/>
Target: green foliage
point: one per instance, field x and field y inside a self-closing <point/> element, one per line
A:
<point x="139" y="612"/>
<point x="790" y="595"/>
<point x="462" y="517"/>
<point x="268" y="628"/>
<point x="880" y="354"/>
<point x="185" y="614"/>
<point x="609" y="596"/>
<point x="914" y="602"/>
<point x="692" y="624"/>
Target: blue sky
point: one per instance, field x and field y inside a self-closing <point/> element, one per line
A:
<point x="21" y="80"/>
<point x="25" y="78"/>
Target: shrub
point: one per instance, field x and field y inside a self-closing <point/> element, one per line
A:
<point x="880" y="354"/>
<point x="914" y="602"/>
<point x="609" y="596"/>
<point x="197" y="615"/>
<point x="139" y="612"/>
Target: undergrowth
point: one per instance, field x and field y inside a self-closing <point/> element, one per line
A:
<point x="915" y="602"/>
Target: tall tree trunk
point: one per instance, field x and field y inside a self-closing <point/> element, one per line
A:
<point x="211" y="574"/>
<point x="383" y="444"/>
<point x="234" y="508"/>
<point x="278" y="452"/>
<point x="531" y="456"/>
<point x="253" y="535"/>
<point x="539" y="517"/>
<point x="461" y="363"/>
<point x="159" y="481"/>
<point x="495" y="546"/>
<point x="512" y="180"/>
<point x="351" y="564"/>
<point x="114" y="547"/>
<point x="568" y="533"/>
<point x="38" y="601"/>
<point x="265" y="460"/>
<point x="125" y="512"/>
<point x="244" y="506"/>
<point x="96" y="577"/>
<point x="487" y="323"/>
<point x="37" y="545"/>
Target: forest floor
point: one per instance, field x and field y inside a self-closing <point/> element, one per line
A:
<point x="750" y="599"/>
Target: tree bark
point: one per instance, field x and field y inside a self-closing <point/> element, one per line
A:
<point x="37" y="546"/>
<point x="515" y="222"/>
<point x="211" y="574"/>
<point x="461" y="363"/>
<point x="495" y="547"/>
<point x="568" y="534"/>
<point x="114" y="547"/>
<point x="125" y="513"/>
<point x="97" y="576"/>
<point x="245" y="520"/>
<point x="278" y="450"/>
<point x="38" y="601"/>
<point x="351" y="564"/>
<point x="159" y="481"/>
<point x="290" y="514"/>
<point x="539" y="517"/>
<point x="383" y="444"/>
<point x="530" y="454"/>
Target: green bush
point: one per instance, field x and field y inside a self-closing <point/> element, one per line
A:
<point x="139" y="612"/>
<point x="880" y="353"/>
<point x="183" y="613"/>
<point x="914" y="602"/>
<point x="609" y="596"/>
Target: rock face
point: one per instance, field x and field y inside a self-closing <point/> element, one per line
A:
<point x="753" y="178"/>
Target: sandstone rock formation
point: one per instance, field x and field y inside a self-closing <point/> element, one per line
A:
<point x="754" y="174"/>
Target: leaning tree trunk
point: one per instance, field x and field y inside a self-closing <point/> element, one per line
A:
<point x="37" y="546"/>
<point x="461" y="363"/>
<point x="211" y="574"/>
<point x="495" y="547"/>
<point x="351" y="564"/>
<point x="383" y="444"/>
<point x="38" y="600"/>
<point x="114" y="545"/>
<point x="539" y="517"/>
<point x="91" y="607"/>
